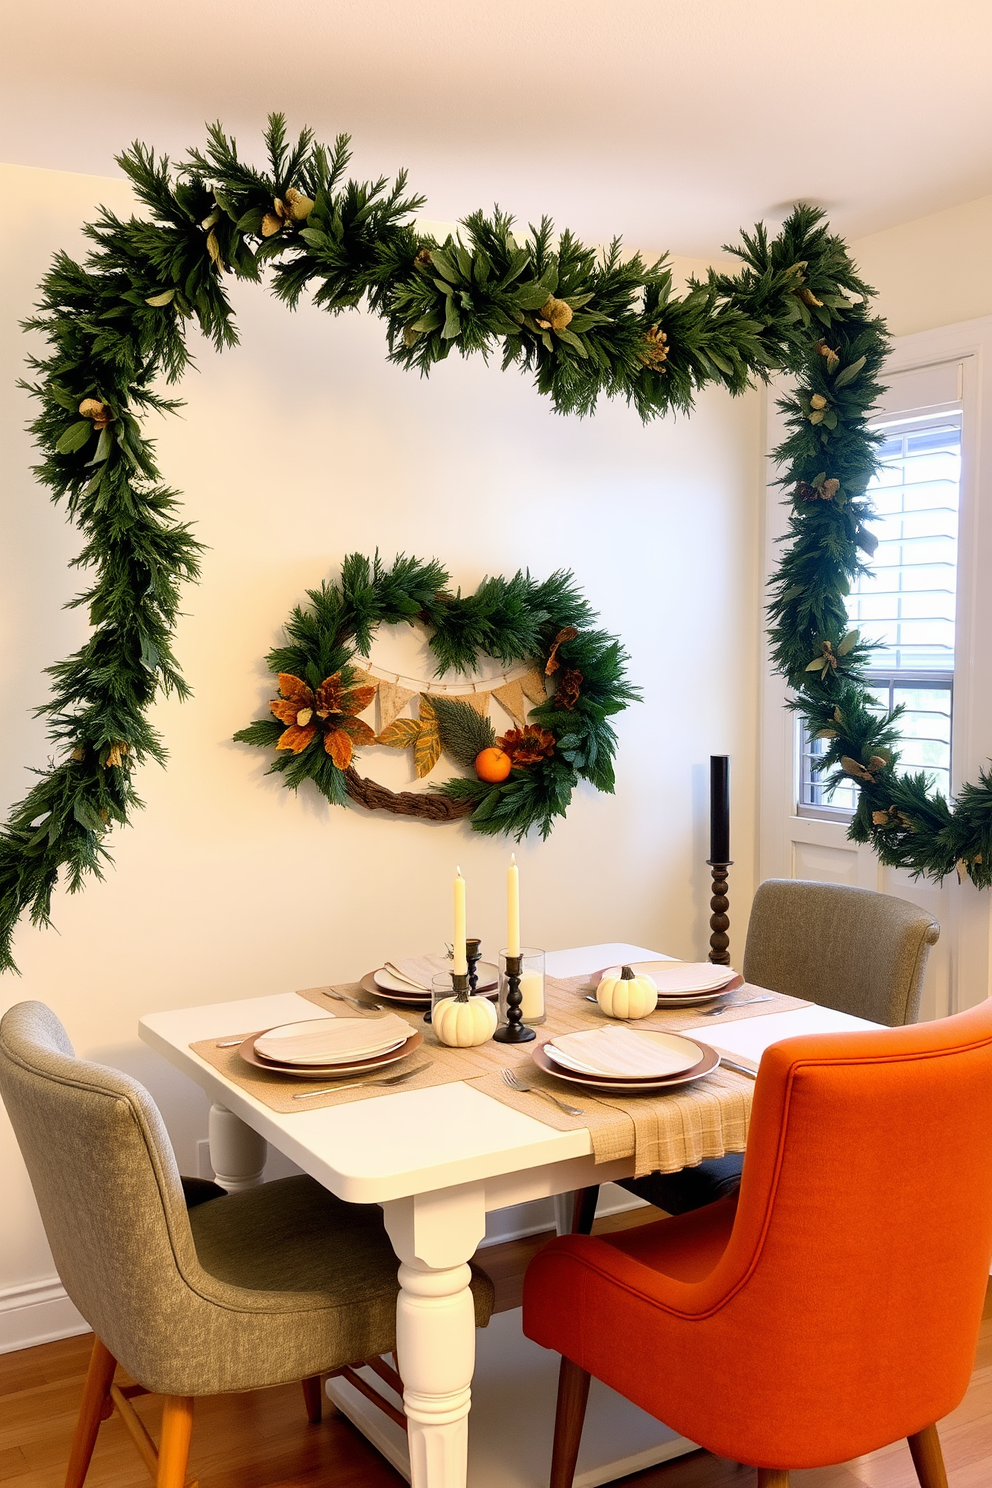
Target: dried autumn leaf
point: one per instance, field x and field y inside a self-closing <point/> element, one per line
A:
<point x="292" y="687"/>
<point x="339" y="747"/>
<point x="358" y="731"/>
<point x="402" y="733"/>
<point x="357" y="699"/>
<point x="296" y="739"/>
<point x="427" y="749"/>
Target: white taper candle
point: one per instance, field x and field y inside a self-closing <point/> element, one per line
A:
<point x="513" y="908"/>
<point x="460" y="960"/>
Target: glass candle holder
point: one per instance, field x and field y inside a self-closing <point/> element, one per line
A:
<point x="532" y="1009"/>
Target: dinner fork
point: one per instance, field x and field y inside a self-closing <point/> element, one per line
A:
<point x="509" y="1078"/>
<point x="365" y="1007"/>
<point x="363" y="1084"/>
<point x="742" y="1002"/>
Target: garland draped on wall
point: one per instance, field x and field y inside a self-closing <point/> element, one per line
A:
<point x="583" y="324"/>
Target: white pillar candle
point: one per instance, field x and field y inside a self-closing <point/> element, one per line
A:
<point x="460" y="960"/>
<point x="513" y="908"/>
<point x="532" y="995"/>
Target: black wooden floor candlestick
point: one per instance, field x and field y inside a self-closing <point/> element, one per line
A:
<point x="719" y="919"/>
<point x="514" y="1030"/>
<point x="719" y="860"/>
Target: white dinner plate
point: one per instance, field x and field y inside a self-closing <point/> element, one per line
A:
<point x="675" y="1055"/>
<point x="707" y="1064"/>
<point x="680" y="978"/>
<point x="330" y="1041"/>
<point x="330" y="1071"/>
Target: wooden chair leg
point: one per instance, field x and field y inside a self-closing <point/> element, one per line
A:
<point x="585" y="1210"/>
<point x="928" y="1459"/>
<point x="773" y="1477"/>
<point x="173" y="1450"/>
<point x="313" y="1394"/>
<point x="573" y="1393"/>
<point x="92" y="1410"/>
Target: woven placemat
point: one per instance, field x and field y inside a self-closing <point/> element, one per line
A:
<point x="278" y="1092"/>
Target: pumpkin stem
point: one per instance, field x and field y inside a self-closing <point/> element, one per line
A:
<point x="626" y="975"/>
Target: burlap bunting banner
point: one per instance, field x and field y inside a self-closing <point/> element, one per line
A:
<point x="511" y="697"/>
<point x="477" y="700"/>
<point x="392" y="699"/>
<point x="533" y="686"/>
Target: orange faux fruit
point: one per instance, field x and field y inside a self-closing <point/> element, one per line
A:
<point x="492" y="765"/>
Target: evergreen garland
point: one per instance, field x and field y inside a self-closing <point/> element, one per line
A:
<point x="584" y="325"/>
<point x="517" y="619"/>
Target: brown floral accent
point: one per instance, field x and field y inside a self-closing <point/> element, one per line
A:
<point x="829" y="488"/>
<point x="554" y="315"/>
<point x="330" y="710"/>
<point x="528" y="745"/>
<point x="869" y="772"/>
<point x="423" y="259"/>
<point x="567" y="634"/>
<point x="806" y="492"/>
<point x="117" y="753"/>
<point x="831" y="353"/>
<point x="893" y="817"/>
<point x="99" y="414"/>
<point x="293" y="207"/>
<point x="807" y="296"/>
<point x="818" y="402"/>
<point x="567" y="691"/>
<point x="654" y="351"/>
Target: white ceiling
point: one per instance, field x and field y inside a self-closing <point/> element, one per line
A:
<point x="670" y="122"/>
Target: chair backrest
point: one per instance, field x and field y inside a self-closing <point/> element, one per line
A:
<point x="850" y="949"/>
<point x="106" y="1182"/>
<point x="859" y="1260"/>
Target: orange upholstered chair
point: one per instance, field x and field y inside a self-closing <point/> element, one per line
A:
<point x="829" y="1308"/>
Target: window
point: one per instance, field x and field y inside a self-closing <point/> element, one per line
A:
<point x="907" y="604"/>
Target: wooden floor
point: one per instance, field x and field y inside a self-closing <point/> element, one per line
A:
<point x="262" y="1440"/>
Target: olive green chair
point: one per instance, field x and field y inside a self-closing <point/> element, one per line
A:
<point x="278" y="1283"/>
<point x="851" y="949"/>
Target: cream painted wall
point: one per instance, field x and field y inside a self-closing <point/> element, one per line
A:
<point x="933" y="271"/>
<point x="294" y="449"/>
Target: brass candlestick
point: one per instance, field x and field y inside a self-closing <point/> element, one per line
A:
<point x="719" y="918"/>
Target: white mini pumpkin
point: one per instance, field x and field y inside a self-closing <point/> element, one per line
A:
<point x="460" y="1023"/>
<point x="627" y="995"/>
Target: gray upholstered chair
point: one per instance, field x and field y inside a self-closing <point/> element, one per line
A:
<point x="278" y="1283"/>
<point x="850" y="949"/>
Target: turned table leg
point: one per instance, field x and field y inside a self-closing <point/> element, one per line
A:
<point x="237" y="1153"/>
<point x="434" y="1235"/>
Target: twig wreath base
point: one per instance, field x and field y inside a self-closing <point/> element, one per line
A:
<point x="520" y="781"/>
<point x="585" y="325"/>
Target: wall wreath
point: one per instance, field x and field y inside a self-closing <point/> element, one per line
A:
<point x="520" y="780"/>
<point x="584" y="324"/>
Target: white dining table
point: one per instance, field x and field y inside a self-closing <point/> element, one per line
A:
<point x="437" y="1161"/>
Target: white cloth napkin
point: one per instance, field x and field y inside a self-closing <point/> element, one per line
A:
<point x="333" y="1040"/>
<point x="625" y="1052"/>
<point x="421" y="969"/>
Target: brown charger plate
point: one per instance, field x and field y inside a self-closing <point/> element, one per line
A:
<point x="414" y="999"/>
<point x="642" y="1086"/>
<point x="328" y="1072"/>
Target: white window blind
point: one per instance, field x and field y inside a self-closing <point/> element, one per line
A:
<point x="907" y="604"/>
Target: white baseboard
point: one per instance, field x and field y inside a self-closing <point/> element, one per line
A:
<point x="37" y="1312"/>
<point x="520" y="1220"/>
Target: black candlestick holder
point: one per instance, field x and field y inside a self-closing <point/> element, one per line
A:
<point x="719" y="918"/>
<point x="473" y="950"/>
<point x="514" y="1030"/>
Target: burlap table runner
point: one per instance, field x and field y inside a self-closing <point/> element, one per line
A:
<point x="662" y="1133"/>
